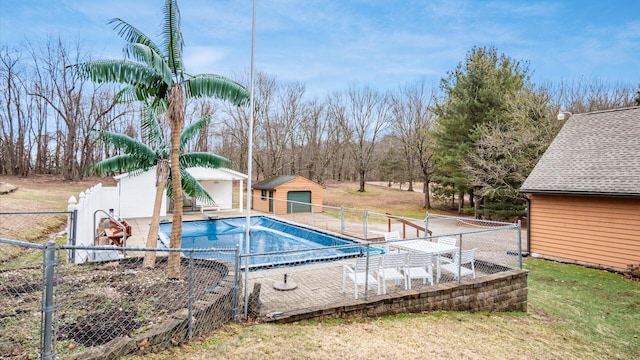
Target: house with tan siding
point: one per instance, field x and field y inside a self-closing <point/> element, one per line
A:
<point x="584" y="193"/>
<point x="287" y="194"/>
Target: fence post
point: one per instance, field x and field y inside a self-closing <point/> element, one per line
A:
<point x="190" y="306"/>
<point x="72" y="225"/>
<point x="520" y="244"/>
<point x="342" y="220"/>
<point x="313" y="222"/>
<point x="236" y="285"/>
<point x="74" y="232"/>
<point x="49" y="262"/>
<point x="366" y="276"/>
<point x="365" y="223"/>
<point x="426" y="225"/>
<point x="460" y="259"/>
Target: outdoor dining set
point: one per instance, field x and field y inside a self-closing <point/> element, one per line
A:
<point x="409" y="260"/>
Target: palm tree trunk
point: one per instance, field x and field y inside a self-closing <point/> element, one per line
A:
<point x="162" y="173"/>
<point x="175" y="114"/>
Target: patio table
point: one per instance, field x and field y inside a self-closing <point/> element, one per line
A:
<point x="427" y="247"/>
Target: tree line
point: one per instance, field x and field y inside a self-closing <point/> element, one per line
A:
<point x="473" y="137"/>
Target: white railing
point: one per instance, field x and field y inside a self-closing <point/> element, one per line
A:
<point x="89" y="205"/>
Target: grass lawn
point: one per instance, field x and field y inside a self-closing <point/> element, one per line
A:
<point x="596" y="307"/>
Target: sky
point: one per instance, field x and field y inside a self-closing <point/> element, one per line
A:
<point x="331" y="45"/>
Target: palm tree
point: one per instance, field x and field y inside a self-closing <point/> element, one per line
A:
<point x="159" y="76"/>
<point x="139" y="157"/>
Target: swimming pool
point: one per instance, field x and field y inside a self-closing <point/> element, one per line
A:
<point x="278" y="243"/>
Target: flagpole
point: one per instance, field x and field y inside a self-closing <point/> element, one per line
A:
<point x="249" y="167"/>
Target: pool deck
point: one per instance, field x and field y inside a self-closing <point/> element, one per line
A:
<point x="319" y="285"/>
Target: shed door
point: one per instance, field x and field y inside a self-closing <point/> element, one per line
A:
<point x="270" y="201"/>
<point x="294" y="198"/>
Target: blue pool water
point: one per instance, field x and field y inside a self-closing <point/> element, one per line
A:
<point x="269" y="237"/>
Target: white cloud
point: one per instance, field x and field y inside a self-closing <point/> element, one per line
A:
<point x="204" y="59"/>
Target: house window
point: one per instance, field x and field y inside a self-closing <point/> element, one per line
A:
<point x="263" y="195"/>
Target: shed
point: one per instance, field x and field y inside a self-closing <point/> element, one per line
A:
<point x="287" y="194"/>
<point x="136" y="192"/>
<point x="219" y="185"/>
<point x="584" y="193"/>
<point x="135" y="195"/>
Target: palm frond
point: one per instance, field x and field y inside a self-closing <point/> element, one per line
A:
<point x="129" y="145"/>
<point x="152" y="133"/>
<point x="160" y="105"/>
<point x="154" y="60"/>
<point x="192" y="187"/>
<point x="204" y="159"/>
<point x="132" y="35"/>
<point x="172" y="38"/>
<point x="117" y="71"/>
<point x="116" y="165"/>
<point x="191" y="131"/>
<point x="207" y="85"/>
<point x="126" y="95"/>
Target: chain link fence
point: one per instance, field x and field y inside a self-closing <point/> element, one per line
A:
<point x="110" y="307"/>
<point x="358" y="223"/>
<point x="317" y="284"/>
<point x="21" y="299"/>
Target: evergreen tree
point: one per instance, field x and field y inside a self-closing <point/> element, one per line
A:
<point x="476" y="93"/>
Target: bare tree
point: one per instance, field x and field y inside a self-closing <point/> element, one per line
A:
<point x="15" y="125"/>
<point x="413" y="126"/>
<point x="317" y="154"/>
<point x="233" y="134"/>
<point x="77" y="107"/>
<point x="281" y="129"/>
<point x="584" y="95"/>
<point x="362" y="114"/>
<point x="338" y="136"/>
<point x="392" y="166"/>
<point x="198" y="109"/>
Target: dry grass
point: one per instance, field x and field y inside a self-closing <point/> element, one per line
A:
<point x="36" y="193"/>
<point x="43" y="192"/>
<point x="418" y="336"/>
<point x="376" y="198"/>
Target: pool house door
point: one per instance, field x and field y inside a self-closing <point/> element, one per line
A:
<point x="294" y="200"/>
<point x="270" y="202"/>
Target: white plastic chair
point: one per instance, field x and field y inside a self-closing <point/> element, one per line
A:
<point x="447" y="241"/>
<point x="393" y="268"/>
<point x="358" y="274"/>
<point x="419" y="266"/>
<point x="393" y="235"/>
<point x="390" y="236"/>
<point x="466" y="257"/>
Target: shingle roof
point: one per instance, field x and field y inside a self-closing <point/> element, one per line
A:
<point x="595" y="153"/>
<point x="273" y="182"/>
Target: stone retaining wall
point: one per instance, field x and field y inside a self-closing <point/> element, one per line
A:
<point x="505" y="291"/>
